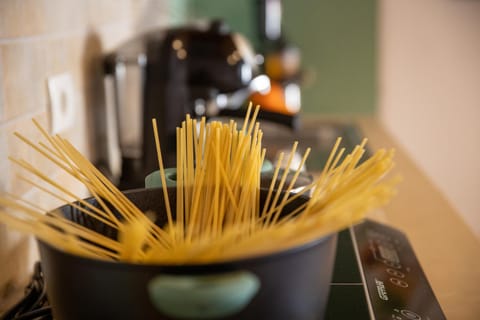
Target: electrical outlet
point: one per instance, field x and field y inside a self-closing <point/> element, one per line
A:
<point x="62" y="102"/>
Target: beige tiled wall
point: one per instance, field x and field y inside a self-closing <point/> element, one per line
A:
<point x="39" y="39"/>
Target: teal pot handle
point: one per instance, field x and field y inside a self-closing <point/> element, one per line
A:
<point x="203" y="296"/>
<point x="153" y="179"/>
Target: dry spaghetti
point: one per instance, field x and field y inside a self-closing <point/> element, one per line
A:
<point x="217" y="214"/>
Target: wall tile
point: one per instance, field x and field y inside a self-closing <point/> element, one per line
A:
<point x="108" y="11"/>
<point x="2" y="116"/>
<point x="151" y="14"/>
<point x="23" y="77"/>
<point x="26" y="18"/>
<point x="2" y="103"/>
<point x="4" y="163"/>
<point x="28" y="65"/>
<point x="18" y="149"/>
<point x="21" y="18"/>
<point x="76" y="135"/>
<point x="63" y="16"/>
<point x="111" y="36"/>
<point x="18" y="259"/>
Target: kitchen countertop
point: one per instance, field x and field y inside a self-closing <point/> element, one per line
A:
<point x="447" y="250"/>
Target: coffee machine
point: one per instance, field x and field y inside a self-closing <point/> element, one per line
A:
<point x="201" y="69"/>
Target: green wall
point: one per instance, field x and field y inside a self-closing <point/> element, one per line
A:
<point x="239" y="14"/>
<point x="338" y="43"/>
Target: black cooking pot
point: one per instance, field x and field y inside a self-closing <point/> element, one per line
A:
<point x="291" y="285"/>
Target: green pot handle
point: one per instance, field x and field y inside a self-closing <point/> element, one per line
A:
<point x="203" y="296"/>
<point x="153" y="179"/>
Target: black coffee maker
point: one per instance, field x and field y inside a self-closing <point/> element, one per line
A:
<point x="165" y="74"/>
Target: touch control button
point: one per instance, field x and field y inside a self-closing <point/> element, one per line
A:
<point x="396" y="273"/>
<point x="399" y="282"/>
<point x="410" y="314"/>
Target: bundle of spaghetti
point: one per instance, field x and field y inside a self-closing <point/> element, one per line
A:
<point x="217" y="214"/>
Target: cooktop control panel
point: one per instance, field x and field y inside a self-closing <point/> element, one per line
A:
<point x="378" y="274"/>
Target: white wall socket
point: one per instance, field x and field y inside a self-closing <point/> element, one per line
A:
<point x="62" y="102"/>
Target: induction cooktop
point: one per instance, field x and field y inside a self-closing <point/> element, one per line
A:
<point x="376" y="277"/>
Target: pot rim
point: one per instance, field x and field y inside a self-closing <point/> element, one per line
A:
<point x="247" y="259"/>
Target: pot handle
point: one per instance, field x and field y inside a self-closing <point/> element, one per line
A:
<point x="210" y="296"/>
<point x="153" y="179"/>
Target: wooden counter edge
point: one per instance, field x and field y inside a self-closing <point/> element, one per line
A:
<point x="446" y="248"/>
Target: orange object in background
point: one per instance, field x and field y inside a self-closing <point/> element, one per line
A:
<point x="283" y="63"/>
<point x="284" y="99"/>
